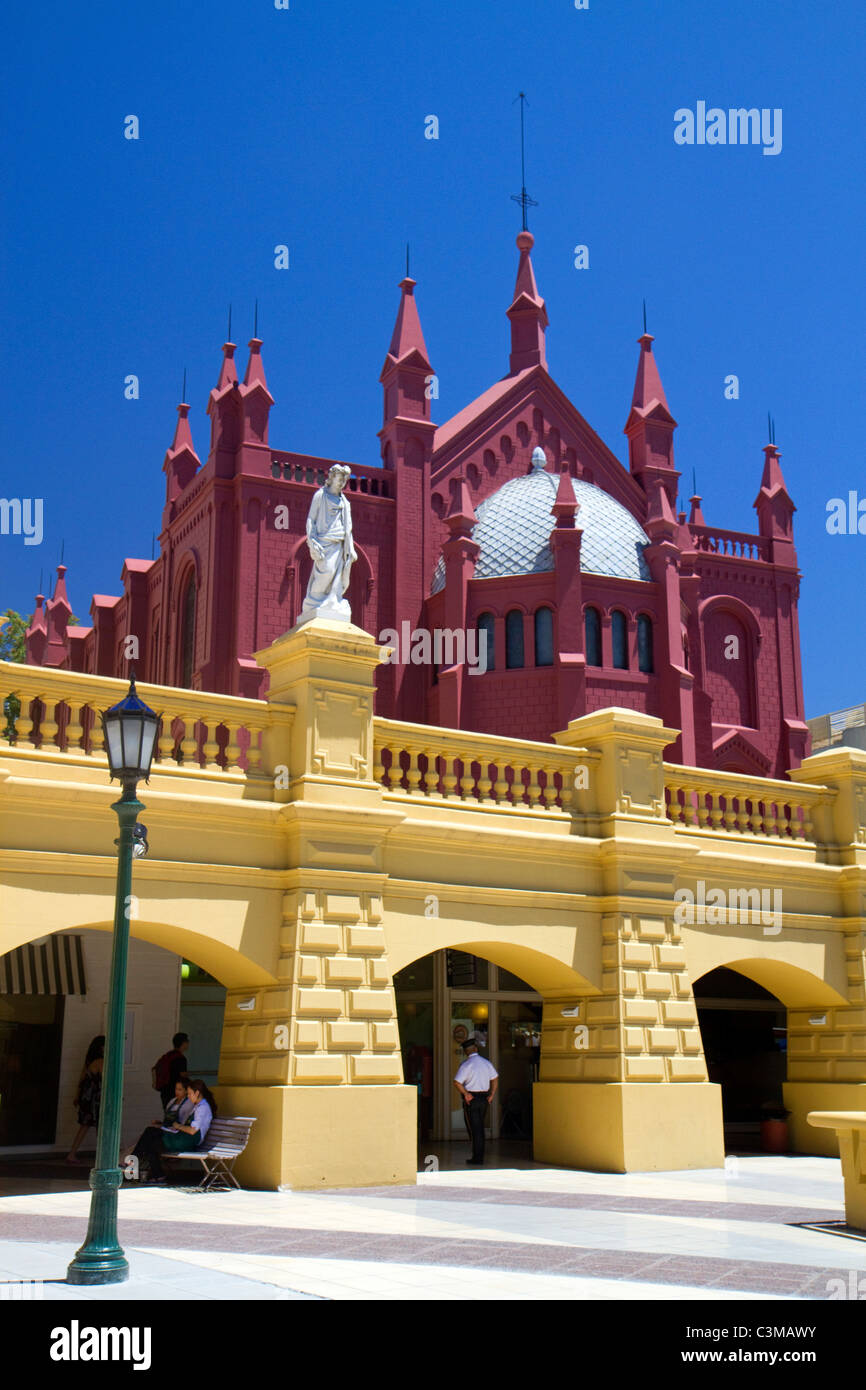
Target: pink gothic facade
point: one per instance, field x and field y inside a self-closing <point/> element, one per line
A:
<point x="589" y="587"/>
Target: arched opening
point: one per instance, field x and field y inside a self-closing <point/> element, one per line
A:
<point x="592" y="630"/>
<point x="619" y="640"/>
<point x="187" y="633"/>
<point x="514" y="639"/>
<point x="443" y="999"/>
<point x="744" y="1034"/>
<point x="645" y="644"/>
<point x="53" y="1003"/>
<point x="543" y="637"/>
<point x="487" y="641"/>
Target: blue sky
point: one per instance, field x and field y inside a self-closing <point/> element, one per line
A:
<point x="306" y="127"/>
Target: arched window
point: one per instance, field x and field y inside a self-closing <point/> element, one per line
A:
<point x="486" y="642"/>
<point x="514" y="639"/>
<point x="619" y="640"/>
<point x="187" y="633"/>
<point x="644" y="643"/>
<point x="543" y="637"/>
<point x="592" y="628"/>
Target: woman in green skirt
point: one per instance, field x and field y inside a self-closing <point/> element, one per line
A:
<point x="189" y="1135"/>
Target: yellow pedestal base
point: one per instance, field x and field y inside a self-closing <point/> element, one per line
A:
<point x="631" y="1128"/>
<point x="325" y="1136"/>
<point x="850" y="1130"/>
<point x="803" y="1096"/>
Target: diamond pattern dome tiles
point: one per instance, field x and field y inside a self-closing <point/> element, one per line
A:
<point x="514" y="526"/>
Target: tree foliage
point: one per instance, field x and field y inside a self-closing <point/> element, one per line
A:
<point x="12" y="629"/>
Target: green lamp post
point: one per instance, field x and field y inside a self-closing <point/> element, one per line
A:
<point x="130" y="730"/>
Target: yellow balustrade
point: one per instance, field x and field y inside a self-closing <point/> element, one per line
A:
<point x="468" y="762"/>
<point x="199" y="731"/>
<point x="730" y="803"/>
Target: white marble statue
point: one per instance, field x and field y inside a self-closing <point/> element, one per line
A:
<point x="329" y="538"/>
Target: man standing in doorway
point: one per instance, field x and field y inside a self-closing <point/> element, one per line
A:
<point x="476" y="1080"/>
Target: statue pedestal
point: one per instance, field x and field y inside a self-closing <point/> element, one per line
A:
<point x="329" y="611"/>
<point x="323" y="672"/>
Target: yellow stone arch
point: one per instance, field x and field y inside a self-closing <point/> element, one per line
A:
<point x="793" y="986"/>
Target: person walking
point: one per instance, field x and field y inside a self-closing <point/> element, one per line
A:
<point x="476" y="1080"/>
<point x="88" y="1094"/>
<point x="171" y="1067"/>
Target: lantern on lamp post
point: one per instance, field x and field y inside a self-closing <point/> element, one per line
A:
<point x="130" y="730"/>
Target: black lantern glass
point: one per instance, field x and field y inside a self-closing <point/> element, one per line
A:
<point x="130" y="729"/>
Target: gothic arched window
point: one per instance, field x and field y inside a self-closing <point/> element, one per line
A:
<point x="543" y="637"/>
<point x="187" y="633"/>
<point x="644" y="643"/>
<point x="592" y="628"/>
<point x="486" y="641"/>
<point x="619" y="640"/>
<point x="514" y="639"/>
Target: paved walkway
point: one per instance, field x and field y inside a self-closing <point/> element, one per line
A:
<point x="534" y="1232"/>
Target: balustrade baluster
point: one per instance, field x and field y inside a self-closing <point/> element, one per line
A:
<point x="232" y="748"/>
<point x="210" y="747"/>
<point x="567" y="777"/>
<point x="189" y="742"/>
<point x="467" y="781"/>
<point x="533" y="789"/>
<point x="431" y="776"/>
<point x="48" y="725"/>
<point x="500" y="786"/>
<point x="413" y="774"/>
<point x="449" y="778"/>
<point x="24" y="724"/>
<point x="75" y="728"/>
<point x="485" y="785"/>
<point x="254" y="752"/>
<point x="549" y="793"/>
<point x="379" y="772"/>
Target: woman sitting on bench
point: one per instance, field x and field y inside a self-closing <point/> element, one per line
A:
<point x="190" y="1135"/>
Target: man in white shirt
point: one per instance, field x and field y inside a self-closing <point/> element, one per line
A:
<point x="476" y="1080"/>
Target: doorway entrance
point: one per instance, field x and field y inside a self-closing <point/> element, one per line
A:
<point x="744" y="1033"/>
<point x="443" y="999"/>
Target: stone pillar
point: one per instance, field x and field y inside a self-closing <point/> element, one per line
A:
<point x="623" y="1084"/>
<point x="827" y="1045"/>
<point x="317" y="1057"/>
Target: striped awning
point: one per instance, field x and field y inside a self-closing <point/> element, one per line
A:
<point x="54" y="965"/>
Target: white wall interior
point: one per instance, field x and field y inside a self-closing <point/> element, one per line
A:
<point x="153" y="1000"/>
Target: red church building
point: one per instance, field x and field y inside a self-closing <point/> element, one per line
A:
<point x="513" y="518"/>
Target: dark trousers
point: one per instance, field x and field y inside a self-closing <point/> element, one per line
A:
<point x="149" y="1148"/>
<point x="154" y="1143"/>
<point x="477" y="1111"/>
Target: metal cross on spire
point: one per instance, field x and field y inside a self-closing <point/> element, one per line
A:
<point x="523" y="197"/>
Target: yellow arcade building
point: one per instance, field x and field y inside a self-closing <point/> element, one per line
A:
<point x="364" y="892"/>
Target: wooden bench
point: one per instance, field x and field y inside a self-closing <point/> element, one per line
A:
<point x="224" y="1142"/>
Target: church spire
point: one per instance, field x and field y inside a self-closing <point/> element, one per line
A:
<point x="773" y="502"/>
<point x="257" y="399"/>
<point x="648" y="389"/>
<point x="223" y="404"/>
<point x="527" y="313"/>
<point x="181" y="460"/>
<point x="650" y="425"/>
<point x="408" y="337"/>
<point x="36" y="635"/>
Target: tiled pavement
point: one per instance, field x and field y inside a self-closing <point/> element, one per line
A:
<point x="535" y="1233"/>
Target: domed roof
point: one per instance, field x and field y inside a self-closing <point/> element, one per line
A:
<point x="514" y="525"/>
